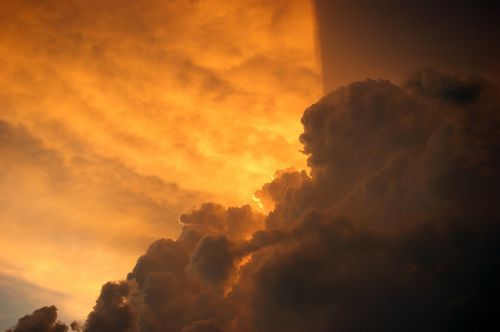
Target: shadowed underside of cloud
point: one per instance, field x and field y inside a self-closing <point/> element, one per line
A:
<point x="396" y="229"/>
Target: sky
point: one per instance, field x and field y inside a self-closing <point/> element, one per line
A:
<point x="389" y="38"/>
<point x="249" y="166"/>
<point x="116" y="117"/>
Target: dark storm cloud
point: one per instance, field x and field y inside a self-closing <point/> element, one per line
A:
<point x="399" y="223"/>
<point x="396" y="229"/>
<point x="113" y="310"/>
<point x="41" y="320"/>
<point x="212" y="260"/>
<point x="235" y="223"/>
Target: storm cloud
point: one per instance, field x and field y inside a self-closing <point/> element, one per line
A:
<point x="41" y="320"/>
<point x="395" y="228"/>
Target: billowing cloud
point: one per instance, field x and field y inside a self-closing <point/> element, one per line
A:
<point x="396" y="228"/>
<point x="43" y="320"/>
<point x="113" y="311"/>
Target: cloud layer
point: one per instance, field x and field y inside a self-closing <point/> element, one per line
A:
<point x="117" y="117"/>
<point x="165" y="86"/>
<point x="396" y="228"/>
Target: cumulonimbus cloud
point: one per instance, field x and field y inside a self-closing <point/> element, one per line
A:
<point x="395" y="229"/>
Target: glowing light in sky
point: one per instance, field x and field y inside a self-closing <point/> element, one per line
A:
<point x="114" y="122"/>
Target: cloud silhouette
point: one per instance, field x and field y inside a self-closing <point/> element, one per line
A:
<point x="42" y="320"/>
<point x="396" y="228"/>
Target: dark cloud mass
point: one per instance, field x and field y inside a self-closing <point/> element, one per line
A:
<point x="42" y="320"/>
<point x="396" y="228"/>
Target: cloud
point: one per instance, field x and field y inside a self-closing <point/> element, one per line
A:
<point x="130" y="83"/>
<point x="235" y="223"/>
<point x="398" y="225"/>
<point x="43" y="320"/>
<point x="108" y="110"/>
<point x="396" y="228"/>
<point x="113" y="312"/>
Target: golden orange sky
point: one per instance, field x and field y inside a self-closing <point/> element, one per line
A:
<point x="115" y="117"/>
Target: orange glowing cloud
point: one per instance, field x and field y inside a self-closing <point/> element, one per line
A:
<point x="116" y="117"/>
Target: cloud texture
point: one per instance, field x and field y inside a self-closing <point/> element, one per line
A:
<point x="107" y="111"/>
<point x="395" y="229"/>
<point x="164" y="85"/>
